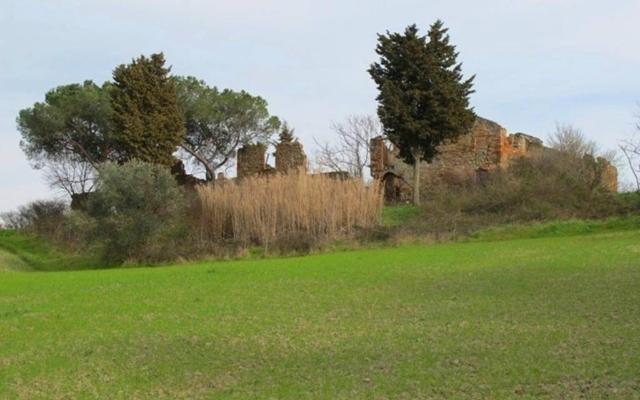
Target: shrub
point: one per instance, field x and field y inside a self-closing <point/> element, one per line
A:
<point x="139" y="211"/>
<point x="42" y="217"/>
<point x="271" y="211"/>
<point x="551" y="186"/>
<point x="631" y="201"/>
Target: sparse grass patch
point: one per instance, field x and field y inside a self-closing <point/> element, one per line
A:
<point x="394" y="215"/>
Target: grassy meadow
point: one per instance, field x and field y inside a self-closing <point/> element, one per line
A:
<point x="557" y="316"/>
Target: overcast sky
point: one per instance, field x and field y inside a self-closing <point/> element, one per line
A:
<point x="538" y="62"/>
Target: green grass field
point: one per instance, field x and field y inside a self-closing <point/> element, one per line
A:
<point x="550" y="317"/>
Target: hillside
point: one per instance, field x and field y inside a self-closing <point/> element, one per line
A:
<point x="524" y="318"/>
<point x="11" y="262"/>
<point x="22" y="252"/>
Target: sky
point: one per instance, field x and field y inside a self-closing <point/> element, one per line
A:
<point x="537" y="62"/>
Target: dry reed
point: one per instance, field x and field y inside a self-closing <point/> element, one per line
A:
<point x="262" y="210"/>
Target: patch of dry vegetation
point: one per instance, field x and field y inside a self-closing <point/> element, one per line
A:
<point x="298" y="209"/>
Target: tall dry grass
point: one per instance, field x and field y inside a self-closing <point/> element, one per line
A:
<point x="264" y="210"/>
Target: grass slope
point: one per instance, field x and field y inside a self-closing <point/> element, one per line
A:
<point x="11" y="262"/>
<point x="541" y="318"/>
<point x="395" y="215"/>
<point x="24" y="252"/>
<point x="557" y="229"/>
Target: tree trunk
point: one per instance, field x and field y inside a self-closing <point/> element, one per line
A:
<point x="209" y="176"/>
<point x="210" y="172"/>
<point x="416" y="179"/>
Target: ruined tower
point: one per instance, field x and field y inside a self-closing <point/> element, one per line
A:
<point x="289" y="153"/>
<point x="251" y="160"/>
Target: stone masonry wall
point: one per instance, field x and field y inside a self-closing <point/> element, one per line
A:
<point x="486" y="148"/>
<point x="290" y="156"/>
<point x="251" y="160"/>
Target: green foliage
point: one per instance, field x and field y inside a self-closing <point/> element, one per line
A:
<point x="423" y="98"/>
<point x="139" y="211"/>
<point x="73" y="122"/>
<point x="146" y="117"/>
<point x="631" y="201"/>
<point x="219" y="122"/>
<point x="286" y="134"/>
<point x="412" y="322"/>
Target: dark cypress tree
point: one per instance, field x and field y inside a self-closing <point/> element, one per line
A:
<point x="148" y="124"/>
<point x="423" y="97"/>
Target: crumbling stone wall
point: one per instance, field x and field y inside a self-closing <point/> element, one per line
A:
<point x="251" y="160"/>
<point x="390" y="172"/>
<point x="381" y="157"/>
<point x="290" y="156"/>
<point x="610" y="178"/>
<point x="486" y="148"/>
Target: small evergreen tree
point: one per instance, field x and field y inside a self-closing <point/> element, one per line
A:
<point x="286" y="134"/>
<point x="148" y="124"/>
<point x="423" y="97"/>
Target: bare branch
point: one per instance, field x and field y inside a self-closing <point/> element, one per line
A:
<point x="69" y="174"/>
<point x="351" y="151"/>
<point x="631" y="156"/>
<point x="570" y="140"/>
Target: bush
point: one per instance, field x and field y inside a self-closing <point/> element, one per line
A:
<point x="139" y="212"/>
<point x="631" y="201"/>
<point x="551" y="186"/>
<point x="42" y="217"/>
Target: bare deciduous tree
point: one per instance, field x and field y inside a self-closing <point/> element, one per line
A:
<point x="630" y="148"/>
<point x="569" y="139"/>
<point x="70" y="175"/>
<point x="351" y="151"/>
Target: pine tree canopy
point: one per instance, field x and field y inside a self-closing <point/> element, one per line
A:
<point x="148" y="124"/>
<point x="73" y="122"/>
<point x="218" y="122"/>
<point x="423" y="97"/>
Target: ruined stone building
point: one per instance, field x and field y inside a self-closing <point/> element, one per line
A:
<point x="290" y="156"/>
<point x="486" y="148"/>
<point x="252" y="159"/>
